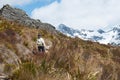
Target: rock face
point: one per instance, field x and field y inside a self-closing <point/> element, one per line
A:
<point x="18" y="15"/>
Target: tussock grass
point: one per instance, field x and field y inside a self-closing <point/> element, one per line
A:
<point x="67" y="59"/>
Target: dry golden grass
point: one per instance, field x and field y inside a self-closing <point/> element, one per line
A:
<point x="67" y="59"/>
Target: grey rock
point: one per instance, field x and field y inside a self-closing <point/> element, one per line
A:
<point x="8" y="56"/>
<point x="19" y="16"/>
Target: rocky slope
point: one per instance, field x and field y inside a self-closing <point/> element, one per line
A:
<point x="67" y="58"/>
<point x="106" y="36"/>
<point x="19" y="16"/>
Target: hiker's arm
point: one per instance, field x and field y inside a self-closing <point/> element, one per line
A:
<point x="44" y="43"/>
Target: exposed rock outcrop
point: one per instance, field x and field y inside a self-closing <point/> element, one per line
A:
<point x="18" y="15"/>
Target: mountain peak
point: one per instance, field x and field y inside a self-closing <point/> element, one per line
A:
<point x="117" y="28"/>
<point x="6" y="6"/>
<point x="66" y="30"/>
<point x="110" y="37"/>
<point x="62" y="25"/>
<point x="20" y="16"/>
<point x="12" y="13"/>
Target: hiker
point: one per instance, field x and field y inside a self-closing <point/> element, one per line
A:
<point x="41" y="44"/>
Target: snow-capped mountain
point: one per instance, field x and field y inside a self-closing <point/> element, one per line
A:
<point x="107" y="36"/>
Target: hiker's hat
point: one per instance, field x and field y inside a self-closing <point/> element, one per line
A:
<point x="39" y="35"/>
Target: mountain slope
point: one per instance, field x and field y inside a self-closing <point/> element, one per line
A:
<point x="66" y="59"/>
<point x="105" y="37"/>
<point x="19" y="16"/>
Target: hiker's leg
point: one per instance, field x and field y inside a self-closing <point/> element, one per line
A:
<point x="39" y="48"/>
<point x="43" y="49"/>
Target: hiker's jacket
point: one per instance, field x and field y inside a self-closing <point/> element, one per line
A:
<point x="40" y="42"/>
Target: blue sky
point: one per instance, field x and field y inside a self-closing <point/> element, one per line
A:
<point x="78" y="14"/>
<point x="37" y="4"/>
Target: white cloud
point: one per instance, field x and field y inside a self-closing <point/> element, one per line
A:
<point x="14" y="2"/>
<point x="91" y="14"/>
